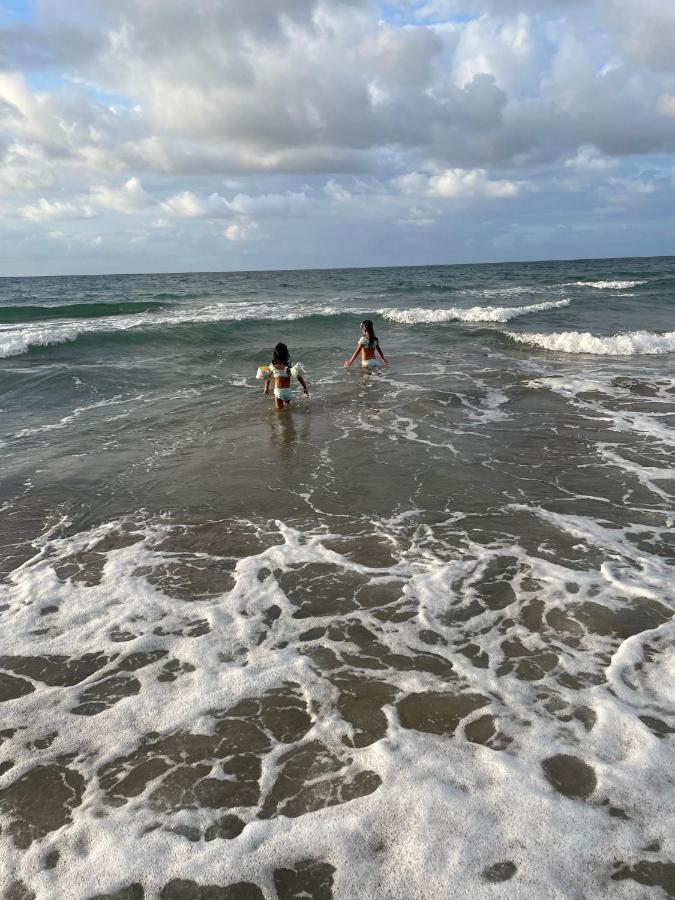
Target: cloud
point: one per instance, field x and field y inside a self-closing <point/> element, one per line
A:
<point x="588" y="159"/>
<point x="49" y="210"/>
<point x="269" y="204"/>
<point x="665" y="106"/>
<point x="646" y="31"/>
<point x="336" y="192"/>
<point x="187" y="204"/>
<point x="241" y="231"/>
<point x="23" y="169"/>
<point x="302" y="115"/>
<point x="504" y="50"/>
<point x="320" y="86"/>
<point x="128" y="199"/>
<point x="456" y="184"/>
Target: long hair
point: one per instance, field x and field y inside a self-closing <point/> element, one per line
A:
<point x="280" y="354"/>
<point x="372" y="337"/>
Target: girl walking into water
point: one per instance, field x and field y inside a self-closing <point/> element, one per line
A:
<point x="367" y="345"/>
<point x="280" y="372"/>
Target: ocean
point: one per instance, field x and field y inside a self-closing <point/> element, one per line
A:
<point x="411" y="638"/>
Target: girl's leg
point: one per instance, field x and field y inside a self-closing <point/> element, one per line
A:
<point x="278" y="403"/>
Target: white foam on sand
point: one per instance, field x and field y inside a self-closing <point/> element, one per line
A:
<point x="631" y="343"/>
<point x="448" y="808"/>
<point x="422" y="316"/>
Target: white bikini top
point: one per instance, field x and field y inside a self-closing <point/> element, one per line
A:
<point x="365" y="342"/>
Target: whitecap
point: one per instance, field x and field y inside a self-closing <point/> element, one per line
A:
<point x="629" y="343"/>
<point x="421" y="316"/>
<point x="605" y="285"/>
<point x="15" y="342"/>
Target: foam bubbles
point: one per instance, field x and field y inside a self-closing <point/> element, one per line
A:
<point x="186" y="722"/>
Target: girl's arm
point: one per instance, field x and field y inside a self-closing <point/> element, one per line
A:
<point x="304" y="384"/>
<point x="379" y="350"/>
<point x="352" y="357"/>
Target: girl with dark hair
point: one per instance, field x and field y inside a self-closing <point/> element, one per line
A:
<point x="280" y="372"/>
<point x="367" y="345"/>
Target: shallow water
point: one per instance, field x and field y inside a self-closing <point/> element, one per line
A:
<point x="412" y="638"/>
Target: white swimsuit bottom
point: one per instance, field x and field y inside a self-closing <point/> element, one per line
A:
<point x="283" y="393"/>
<point x="371" y="363"/>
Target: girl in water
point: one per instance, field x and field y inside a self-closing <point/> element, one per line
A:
<point x="281" y="371"/>
<point x="367" y="345"/>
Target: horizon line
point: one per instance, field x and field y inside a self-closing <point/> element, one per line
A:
<point x="505" y="262"/>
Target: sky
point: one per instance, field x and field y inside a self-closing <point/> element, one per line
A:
<point x="213" y="135"/>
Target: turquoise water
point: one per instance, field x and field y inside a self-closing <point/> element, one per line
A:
<point x="240" y="643"/>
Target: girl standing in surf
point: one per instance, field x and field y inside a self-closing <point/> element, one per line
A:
<point x="367" y="345"/>
<point x="280" y="372"/>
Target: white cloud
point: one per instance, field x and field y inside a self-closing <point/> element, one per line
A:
<point x="632" y="185"/>
<point x="419" y="218"/>
<point x="187" y="204"/>
<point x="241" y="231"/>
<point x="505" y="50"/>
<point x="49" y="210"/>
<point x="269" y="204"/>
<point x="457" y="184"/>
<point x="23" y="169"/>
<point x="129" y="199"/>
<point x="336" y="192"/>
<point x="588" y="159"/>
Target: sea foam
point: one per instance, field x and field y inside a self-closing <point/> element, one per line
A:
<point x="605" y="285"/>
<point x="421" y="316"/>
<point x="629" y="343"/>
<point x="17" y="341"/>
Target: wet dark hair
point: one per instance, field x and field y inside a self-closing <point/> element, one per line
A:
<point x="280" y="354"/>
<point x="372" y="337"/>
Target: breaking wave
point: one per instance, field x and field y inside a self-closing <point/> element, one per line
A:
<point x="605" y="285"/>
<point x="18" y="339"/>
<point x="14" y="343"/>
<point x="420" y="316"/>
<point x="630" y="343"/>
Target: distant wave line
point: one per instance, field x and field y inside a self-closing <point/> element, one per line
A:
<point x="605" y="285"/>
<point x="10" y="315"/>
<point x="15" y="341"/>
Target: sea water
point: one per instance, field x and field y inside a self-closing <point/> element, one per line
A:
<point x="411" y="638"/>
